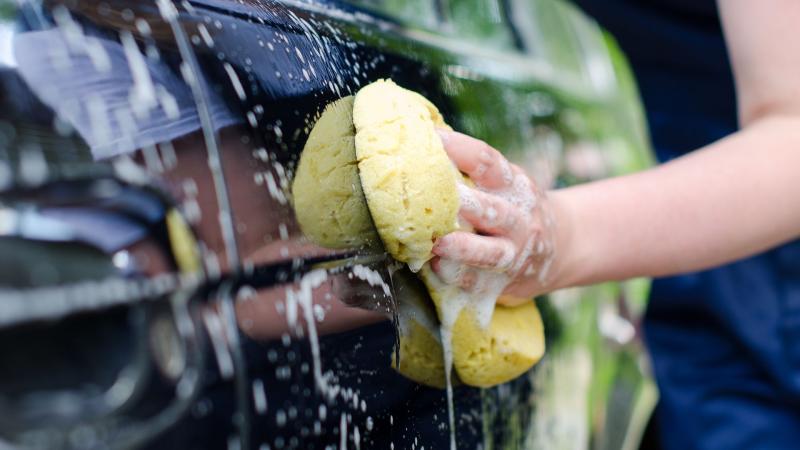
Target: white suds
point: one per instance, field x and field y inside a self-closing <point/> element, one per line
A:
<point x="259" y="396"/>
<point x="372" y="277"/>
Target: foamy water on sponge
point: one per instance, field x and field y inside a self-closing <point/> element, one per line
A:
<point x="489" y="344"/>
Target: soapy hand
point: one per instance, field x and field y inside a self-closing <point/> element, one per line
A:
<point x="512" y="219"/>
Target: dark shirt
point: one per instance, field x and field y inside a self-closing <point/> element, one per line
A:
<point x="725" y="343"/>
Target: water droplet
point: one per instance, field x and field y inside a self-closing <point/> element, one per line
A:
<point x="280" y="418"/>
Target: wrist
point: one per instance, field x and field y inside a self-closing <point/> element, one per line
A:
<point x="564" y="270"/>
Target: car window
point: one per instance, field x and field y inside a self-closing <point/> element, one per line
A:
<point x="424" y="14"/>
<point x="483" y="22"/>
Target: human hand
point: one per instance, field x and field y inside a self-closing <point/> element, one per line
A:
<point x="513" y="221"/>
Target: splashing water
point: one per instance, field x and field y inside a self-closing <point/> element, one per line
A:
<point x="343" y="432"/>
<point x="219" y="344"/>
<point x="259" y="396"/>
<point x="481" y="301"/>
<point x="304" y="296"/>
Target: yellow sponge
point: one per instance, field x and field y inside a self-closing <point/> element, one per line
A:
<point x="408" y="180"/>
<point x="406" y="185"/>
<point x="326" y="191"/>
<point x="420" y="354"/>
<point x="485" y="356"/>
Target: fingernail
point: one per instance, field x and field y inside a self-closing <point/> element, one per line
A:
<point x="439" y="246"/>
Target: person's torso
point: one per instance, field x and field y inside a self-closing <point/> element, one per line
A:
<point x="732" y="332"/>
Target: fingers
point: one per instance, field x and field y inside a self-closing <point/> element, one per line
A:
<point x="455" y="273"/>
<point x="507" y="210"/>
<point x="488" y="213"/>
<point x="483" y="164"/>
<point x="485" y="252"/>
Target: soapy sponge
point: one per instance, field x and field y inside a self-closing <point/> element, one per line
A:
<point x="420" y="356"/>
<point x="484" y="356"/>
<point x="408" y="180"/>
<point x="406" y="185"/>
<point x="326" y="191"/>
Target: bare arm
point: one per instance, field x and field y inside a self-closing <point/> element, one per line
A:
<point x="729" y="200"/>
<point x="734" y="198"/>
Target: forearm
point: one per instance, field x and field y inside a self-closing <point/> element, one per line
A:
<point x="732" y="199"/>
